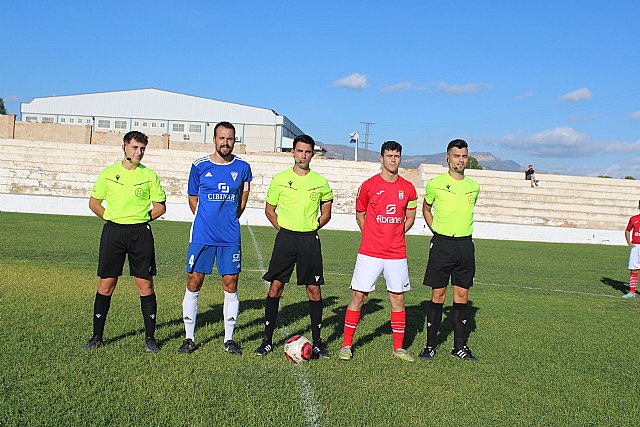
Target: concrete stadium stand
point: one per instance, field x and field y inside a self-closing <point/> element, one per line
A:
<point x="57" y="177"/>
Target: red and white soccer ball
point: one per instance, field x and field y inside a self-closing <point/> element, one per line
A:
<point x="297" y="349"/>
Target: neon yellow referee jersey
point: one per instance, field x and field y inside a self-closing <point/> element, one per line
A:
<point x="128" y="193"/>
<point x="453" y="202"/>
<point x="298" y="199"/>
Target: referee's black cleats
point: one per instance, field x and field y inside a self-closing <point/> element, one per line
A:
<point x="151" y="346"/>
<point x="231" y="347"/>
<point x="427" y="354"/>
<point x="319" y="350"/>
<point x="188" y="346"/>
<point x="464" y="353"/>
<point x="265" y="348"/>
<point x="93" y="343"/>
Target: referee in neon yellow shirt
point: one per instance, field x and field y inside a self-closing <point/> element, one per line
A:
<point x="448" y="210"/>
<point x="298" y="193"/>
<point x="129" y="189"/>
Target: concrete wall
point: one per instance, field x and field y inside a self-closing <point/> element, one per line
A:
<point x="7" y="125"/>
<point x="115" y="138"/>
<point x="260" y="137"/>
<point x="52" y="132"/>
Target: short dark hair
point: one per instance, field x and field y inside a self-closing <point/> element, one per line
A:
<point x="306" y="139"/>
<point x="458" y="143"/>
<point x="390" y="146"/>
<point x="138" y="136"/>
<point x="226" y="125"/>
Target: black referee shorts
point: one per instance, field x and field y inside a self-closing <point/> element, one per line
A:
<point x="134" y="241"/>
<point x="299" y="249"/>
<point x="450" y="258"/>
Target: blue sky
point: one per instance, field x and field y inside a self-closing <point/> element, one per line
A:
<point x="552" y="83"/>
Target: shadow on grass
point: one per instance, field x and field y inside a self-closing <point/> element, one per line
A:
<point x="141" y="331"/>
<point x="615" y="284"/>
<point x="291" y="313"/>
<point x="212" y="315"/>
<point x="416" y="322"/>
<point x="414" y="325"/>
<point x="371" y="306"/>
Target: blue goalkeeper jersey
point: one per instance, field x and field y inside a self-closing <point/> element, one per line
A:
<point x="219" y="188"/>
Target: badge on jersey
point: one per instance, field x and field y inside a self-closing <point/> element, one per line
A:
<point x="401" y="194"/>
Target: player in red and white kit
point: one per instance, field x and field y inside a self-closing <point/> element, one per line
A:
<point x="385" y="211"/>
<point x="632" y="234"/>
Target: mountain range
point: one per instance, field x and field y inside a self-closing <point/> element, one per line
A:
<point x="487" y="160"/>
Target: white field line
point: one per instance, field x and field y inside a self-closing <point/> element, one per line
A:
<point x="562" y="291"/>
<point x="307" y="395"/>
<point x="502" y="285"/>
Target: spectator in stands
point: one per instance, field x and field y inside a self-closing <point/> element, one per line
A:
<point x="530" y="175"/>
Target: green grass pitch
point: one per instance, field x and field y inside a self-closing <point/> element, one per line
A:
<point x="557" y="346"/>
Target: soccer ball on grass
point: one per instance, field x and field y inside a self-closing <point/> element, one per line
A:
<point x="297" y="349"/>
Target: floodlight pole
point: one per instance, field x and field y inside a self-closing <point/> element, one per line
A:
<point x="366" y="139"/>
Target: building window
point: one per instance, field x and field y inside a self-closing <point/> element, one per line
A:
<point x="136" y="124"/>
<point x="47" y="120"/>
<point x="71" y="120"/>
<point x="88" y="121"/>
<point x="31" y="119"/>
<point x="154" y="124"/>
<point x="144" y="124"/>
<point x="161" y="125"/>
<point x="195" y="128"/>
<point x="62" y="120"/>
<point x="120" y="124"/>
<point x="177" y="127"/>
<point x="104" y="124"/>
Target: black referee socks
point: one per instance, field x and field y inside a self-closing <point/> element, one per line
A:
<point x="100" y="309"/>
<point x="149" y="307"/>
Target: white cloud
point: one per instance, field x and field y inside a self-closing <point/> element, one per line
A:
<point x="635" y="115"/>
<point x="527" y="94"/>
<point x="622" y="147"/>
<point x="560" y="142"/>
<point x="353" y="81"/>
<point x="577" y="95"/>
<point x="396" y="87"/>
<point x="630" y="167"/>
<point x="11" y="99"/>
<point x="458" y="89"/>
<point x="400" y="86"/>
<point x="565" y="142"/>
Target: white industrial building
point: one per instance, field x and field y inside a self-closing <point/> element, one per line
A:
<point x="154" y="111"/>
